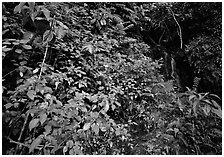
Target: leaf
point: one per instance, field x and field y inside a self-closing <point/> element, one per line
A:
<point x="93" y="98"/>
<point x="26" y="37"/>
<point x="65" y="149"/>
<point x="48" y="36"/>
<point x="215" y="104"/>
<point x="181" y="106"/>
<point x="87" y="126"/>
<point x="216" y="96"/>
<point x="19" y="7"/>
<point x="27" y="47"/>
<point x="62" y="24"/>
<point x="31" y="5"/>
<point x="218" y="112"/>
<point x="113" y="107"/>
<point x="35" y="71"/>
<point x="33" y="123"/>
<point x="31" y="94"/>
<point x="96" y="129"/>
<point x="11" y="39"/>
<point x="118" y="132"/>
<point x="195" y="104"/>
<point x="16" y="105"/>
<point x="35" y="143"/>
<point x="89" y="48"/>
<point x="18" y="51"/>
<point x="5" y="49"/>
<point x="120" y="26"/>
<point x="70" y="144"/>
<point x="43" y="118"/>
<point x="46" y="12"/>
<point x="106" y="107"/>
<point x="6" y="43"/>
<point x="103" y="22"/>
<point x="191" y="97"/>
<point x="23" y="63"/>
<point x="21" y="74"/>
<point x="206" y="101"/>
<point x="117" y="103"/>
<point x="8" y="105"/>
<point x="103" y="128"/>
<point x="60" y="33"/>
<point x="48" y="129"/>
<point x="206" y="109"/>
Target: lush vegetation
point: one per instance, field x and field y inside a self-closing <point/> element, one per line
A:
<point x="111" y="78"/>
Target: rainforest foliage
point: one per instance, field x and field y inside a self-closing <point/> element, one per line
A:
<point x="111" y="78"/>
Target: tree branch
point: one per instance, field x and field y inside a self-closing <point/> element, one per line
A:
<point x="180" y="32"/>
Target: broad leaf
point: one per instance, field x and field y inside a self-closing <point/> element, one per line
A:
<point x="19" y="7"/>
<point x="31" y="94"/>
<point x="218" y="112"/>
<point x="96" y="129"/>
<point x="33" y="123"/>
<point x="35" y="143"/>
<point x="43" y="118"/>
<point x="86" y="126"/>
<point x="46" y="13"/>
<point x="18" y="51"/>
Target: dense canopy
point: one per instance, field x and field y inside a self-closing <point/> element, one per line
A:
<point x="111" y="78"/>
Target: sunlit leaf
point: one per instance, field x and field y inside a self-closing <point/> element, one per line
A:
<point x="70" y="144"/>
<point x="195" y="105"/>
<point x="35" y="71"/>
<point x="120" y="27"/>
<point x="8" y="105"/>
<point x="46" y="12"/>
<point x="47" y="129"/>
<point x="33" y="123"/>
<point x="35" y="143"/>
<point x="21" y="74"/>
<point x="191" y="97"/>
<point x="206" y="109"/>
<point x="23" y="63"/>
<point x="218" y="112"/>
<point x="213" y="95"/>
<point x="103" y="128"/>
<point x="96" y="129"/>
<point x="18" y="51"/>
<point x="87" y="126"/>
<point x="31" y="94"/>
<point x="88" y="48"/>
<point x="43" y="118"/>
<point x="106" y="107"/>
<point x="215" y="104"/>
<point x="5" y="49"/>
<point x="118" y="132"/>
<point x="48" y="36"/>
<point x="31" y="5"/>
<point x="27" y="47"/>
<point x="19" y="7"/>
<point x="6" y="43"/>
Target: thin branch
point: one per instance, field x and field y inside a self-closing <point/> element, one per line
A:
<point x="39" y="147"/>
<point x="180" y="32"/>
<point x="46" y="50"/>
<point x="9" y="73"/>
<point x="161" y="36"/>
<point x="42" y="65"/>
<point x="23" y="128"/>
<point x="21" y="133"/>
<point x="18" y="143"/>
